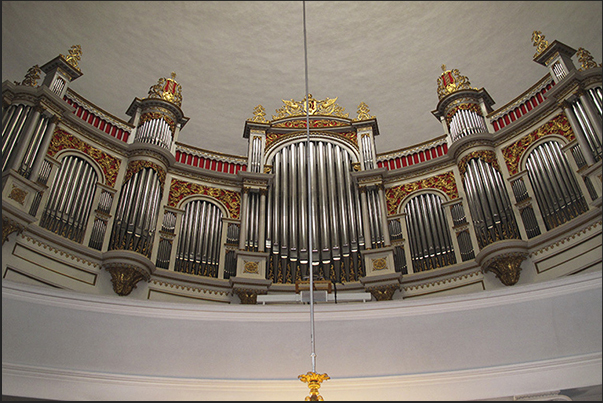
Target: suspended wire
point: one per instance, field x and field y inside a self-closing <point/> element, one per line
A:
<point x="311" y="211"/>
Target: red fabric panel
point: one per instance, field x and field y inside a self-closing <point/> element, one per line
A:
<point x="79" y="111"/>
<point x="178" y="155"/>
<point x="507" y="120"/>
<point x="422" y="156"/>
<point x="102" y="125"/>
<point x="415" y="158"/>
<point x="539" y="97"/>
<point x="108" y="128"/>
<point x="243" y="168"/>
<point x="404" y="161"/>
<point x="113" y="131"/>
<point x="398" y="164"/>
<point x="427" y="154"/>
<point x="434" y="153"/>
<point x="125" y="137"/>
<point x="195" y="161"/>
<point x="91" y="118"/>
<point x="495" y="124"/>
<point x="523" y="109"/>
<point x="213" y="165"/>
<point x="528" y="105"/>
<point x="512" y="114"/>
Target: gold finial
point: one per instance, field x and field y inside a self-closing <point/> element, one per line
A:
<point x="451" y="81"/>
<point x="75" y="55"/>
<point x="258" y="115"/>
<point x="33" y="74"/>
<point x="587" y="60"/>
<point x="168" y="90"/>
<point x="313" y="380"/>
<point x="363" y="112"/>
<point x="539" y="41"/>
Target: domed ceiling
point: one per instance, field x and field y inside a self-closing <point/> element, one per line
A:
<point x="230" y="57"/>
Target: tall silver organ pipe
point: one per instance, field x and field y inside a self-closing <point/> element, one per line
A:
<point x="58" y="85"/>
<point x="68" y="207"/>
<point x="198" y="250"/>
<point x="489" y="203"/>
<point x="429" y="236"/>
<point x="33" y="146"/>
<point x="596" y="95"/>
<point x="466" y="122"/>
<point x="136" y="214"/>
<point x="557" y="192"/>
<point x="255" y="163"/>
<point x="12" y="127"/>
<point x="335" y="221"/>
<point x="367" y="152"/>
<point x="594" y="142"/>
<point x="154" y="131"/>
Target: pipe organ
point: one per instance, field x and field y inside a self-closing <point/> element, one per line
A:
<point x="366" y="224"/>
<point x="198" y="249"/>
<point x="70" y="200"/>
<point x="489" y="203"/>
<point x="557" y="192"/>
<point x="136" y="214"/>
<point x="428" y="232"/>
<point x="336" y="229"/>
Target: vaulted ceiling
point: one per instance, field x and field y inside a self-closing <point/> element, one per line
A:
<point x="231" y="56"/>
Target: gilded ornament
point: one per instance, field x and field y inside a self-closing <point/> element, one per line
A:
<point x="168" y="90"/>
<point x="586" y="59"/>
<point x="267" y="169"/>
<point x="363" y="112"/>
<point x="379" y="264"/>
<point x="248" y="296"/>
<point x="469" y="107"/>
<point x="33" y="74"/>
<point x="444" y="182"/>
<point x="313" y="380"/>
<point x="451" y="81"/>
<point x="250" y="267"/>
<point x="259" y="113"/>
<point x="383" y="292"/>
<point x="135" y="166"/>
<point x="74" y="56"/>
<point x="8" y="227"/>
<point x="125" y="277"/>
<point x="63" y="140"/>
<point x="316" y="123"/>
<point x="507" y="267"/>
<point x="180" y="189"/>
<point x="485" y="155"/>
<point x="539" y="41"/>
<point x="18" y="195"/>
<point x="155" y="115"/>
<point x="311" y="106"/>
<point x="513" y="153"/>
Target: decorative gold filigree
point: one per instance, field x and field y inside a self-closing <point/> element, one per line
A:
<point x="250" y="267"/>
<point x="316" y="123"/>
<point x="484" y="155"/>
<point x="379" y="264"/>
<point x="33" y="74"/>
<point x="135" y="166"/>
<point x="313" y="380"/>
<point x="363" y="112"/>
<point x="18" y="195"/>
<point x="470" y="107"/>
<point x="451" y="81"/>
<point x="168" y="90"/>
<point x="179" y="189"/>
<point x="507" y="267"/>
<point x="248" y="296"/>
<point x="124" y="278"/>
<point x="155" y="115"/>
<point x="64" y="140"/>
<point x="444" y="182"/>
<point x="267" y="169"/>
<point x="383" y="292"/>
<point x="513" y="153"/>
<point x="539" y="41"/>
<point x="586" y="59"/>
<point x="355" y="166"/>
<point x="326" y="107"/>
<point x="259" y="114"/>
<point x="8" y="227"/>
<point x="75" y="55"/>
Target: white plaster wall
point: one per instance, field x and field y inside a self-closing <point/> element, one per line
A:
<point x="64" y="345"/>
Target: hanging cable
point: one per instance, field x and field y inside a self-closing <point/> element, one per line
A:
<point x="310" y="209"/>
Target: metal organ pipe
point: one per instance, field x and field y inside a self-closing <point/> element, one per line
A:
<point x="293" y="213"/>
<point x="303" y="207"/>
